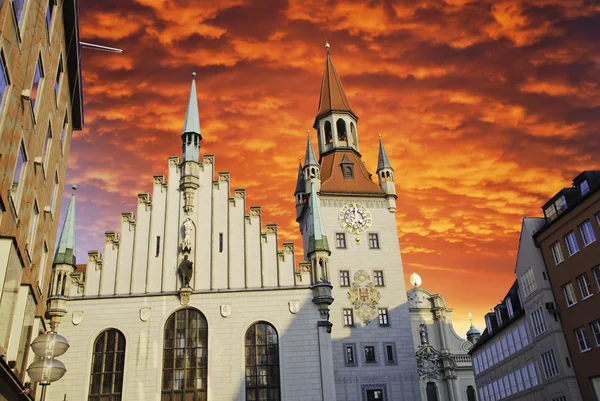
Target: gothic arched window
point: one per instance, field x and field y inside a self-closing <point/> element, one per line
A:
<point x="340" y="125"/>
<point x="185" y="356"/>
<point x="328" y="136"/>
<point x="108" y="359"/>
<point x="262" y="363"/>
<point x="431" y="392"/>
<point x="471" y="394"/>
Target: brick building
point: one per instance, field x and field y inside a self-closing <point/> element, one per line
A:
<point x="41" y="105"/>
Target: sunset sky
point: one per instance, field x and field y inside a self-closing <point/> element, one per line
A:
<point x="486" y="109"/>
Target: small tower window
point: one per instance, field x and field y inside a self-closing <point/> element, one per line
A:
<point x="347" y="168"/>
<point x="353" y="133"/>
<point x="341" y="130"/>
<point x="328" y="136"/>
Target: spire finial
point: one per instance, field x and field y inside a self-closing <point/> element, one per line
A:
<point x="193" y="74"/>
<point x="470" y="317"/>
<point x="327" y="45"/>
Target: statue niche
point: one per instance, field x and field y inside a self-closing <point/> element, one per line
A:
<point x="186" y="248"/>
<point x="423" y="335"/>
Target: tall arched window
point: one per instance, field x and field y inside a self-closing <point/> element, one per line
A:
<point x="471" y="394"/>
<point x="328" y="136"/>
<point x="431" y="392"/>
<point x="108" y="359"/>
<point x="262" y="363"/>
<point x="185" y="356"/>
<point x="340" y="125"/>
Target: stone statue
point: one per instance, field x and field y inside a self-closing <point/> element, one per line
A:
<point x="186" y="269"/>
<point x="188" y="228"/>
<point x="423" y="335"/>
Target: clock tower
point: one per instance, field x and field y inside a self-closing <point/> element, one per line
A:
<point x="371" y="337"/>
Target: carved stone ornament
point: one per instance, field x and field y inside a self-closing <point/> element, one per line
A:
<point x="466" y="346"/>
<point x="294" y="307"/>
<point x="184" y="296"/>
<point x="145" y="314"/>
<point x="364" y="297"/>
<point x="187" y="232"/>
<point x="429" y="364"/>
<point x="77" y="317"/>
<point x="418" y="300"/>
<point x="225" y="310"/>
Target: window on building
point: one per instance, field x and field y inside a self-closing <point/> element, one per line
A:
<point x="526" y="379"/>
<point x="509" y="307"/>
<point x="517" y="338"/>
<point x="348" y="317"/>
<point x="262" y="364"/>
<point x="19" y="7"/>
<point x="185" y="355"/>
<point x="511" y="343"/>
<point x="35" y="212"/>
<point x="595" y="382"/>
<point x="584" y="187"/>
<point x="569" y="294"/>
<point x="383" y="317"/>
<point x="108" y="360"/>
<point x="18" y="176"/>
<point x="596" y="271"/>
<point x="42" y="266"/>
<point x="523" y="333"/>
<point x="496" y="389"/>
<point x="344" y="278"/>
<point x="550" y="212"/>
<point x="481" y="394"/>
<point x="51" y="4"/>
<point x="595" y="326"/>
<point x="486" y="393"/>
<point x="63" y="132"/>
<point x="582" y="339"/>
<point x="585" y="287"/>
<point x="513" y="383"/>
<point x="370" y="354"/>
<point x="47" y="146"/>
<point x="498" y="316"/>
<point x="527" y="282"/>
<point x="561" y="204"/>
<point x="340" y="240"/>
<point x="4" y="82"/>
<point x="587" y="233"/>
<point x="561" y="398"/>
<point x="549" y="364"/>
<point x="471" y="394"/>
<point x="499" y="351"/>
<point x="350" y="354"/>
<point x="59" y="72"/>
<point x="26" y="331"/>
<point x="534" y="372"/>
<point x="494" y="354"/>
<point x="54" y="192"/>
<point x="519" y="378"/>
<point x="572" y="245"/>
<point x="157" y="246"/>
<point x="378" y="278"/>
<point x="37" y="77"/>
<point x="390" y="353"/>
<point x="505" y="350"/>
<point x="507" y="386"/>
<point x="557" y="253"/>
<point x="373" y="240"/>
<point x="220" y="242"/>
<point x="538" y="321"/>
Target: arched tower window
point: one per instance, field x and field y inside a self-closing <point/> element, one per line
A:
<point x="185" y="356"/>
<point x="328" y="136"/>
<point x="108" y="359"/>
<point x="262" y="363"/>
<point x="471" y="394"/>
<point x="431" y="390"/>
<point x="340" y="125"/>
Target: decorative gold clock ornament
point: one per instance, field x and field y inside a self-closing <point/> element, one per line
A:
<point x="355" y="218"/>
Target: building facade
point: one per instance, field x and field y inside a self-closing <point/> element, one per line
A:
<point x="196" y="298"/>
<point x="40" y="107"/>
<point x="443" y="363"/>
<point x="567" y="240"/>
<point x="522" y="354"/>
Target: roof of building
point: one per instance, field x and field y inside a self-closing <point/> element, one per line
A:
<point x="333" y="97"/>
<point x="473" y="330"/>
<point x="572" y="196"/>
<point x="299" y="181"/>
<point x="332" y="177"/>
<point x="382" y="160"/>
<point x="73" y="61"/>
<point x="310" y="159"/>
<point x="317" y="240"/>
<point x="192" y="115"/>
<point x="65" y="251"/>
<point x="81" y="268"/>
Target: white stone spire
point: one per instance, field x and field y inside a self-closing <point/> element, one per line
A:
<point x="191" y="135"/>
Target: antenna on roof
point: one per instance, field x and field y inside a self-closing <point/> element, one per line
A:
<point x="92" y="46"/>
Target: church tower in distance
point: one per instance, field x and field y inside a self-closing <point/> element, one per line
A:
<point x="371" y="336"/>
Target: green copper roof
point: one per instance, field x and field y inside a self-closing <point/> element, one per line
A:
<point x="473" y="330"/>
<point x="192" y="116"/>
<point x="317" y="241"/>
<point x="299" y="180"/>
<point x="65" y="252"/>
<point x="310" y="159"/>
<point x="383" y="161"/>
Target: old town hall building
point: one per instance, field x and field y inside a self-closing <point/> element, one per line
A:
<point x="195" y="298"/>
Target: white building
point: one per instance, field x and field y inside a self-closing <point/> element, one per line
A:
<point x="444" y="367"/>
<point x="195" y="298"/>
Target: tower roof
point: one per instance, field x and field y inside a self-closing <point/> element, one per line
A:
<point x="310" y="159"/>
<point x="65" y="252"/>
<point x="382" y="160"/>
<point x="317" y="240"/>
<point x="192" y="116"/>
<point x="473" y="330"/>
<point x="299" y="180"/>
<point x="333" y="97"/>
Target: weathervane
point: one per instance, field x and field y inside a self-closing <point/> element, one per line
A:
<point x="415" y="279"/>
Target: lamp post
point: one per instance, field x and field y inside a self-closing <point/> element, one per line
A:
<point x="47" y="369"/>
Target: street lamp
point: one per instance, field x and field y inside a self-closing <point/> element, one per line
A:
<point x="47" y="369"/>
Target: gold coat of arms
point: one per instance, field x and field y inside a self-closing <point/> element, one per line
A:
<point x="364" y="296"/>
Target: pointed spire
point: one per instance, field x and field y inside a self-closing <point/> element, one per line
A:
<point x="300" y="186"/>
<point x="317" y="240"/>
<point x="192" y="116"/>
<point x="383" y="161"/>
<point x="65" y="252"/>
<point x="310" y="159"/>
<point x="333" y="97"/>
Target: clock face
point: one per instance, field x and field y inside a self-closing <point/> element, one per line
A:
<point x="355" y="218"/>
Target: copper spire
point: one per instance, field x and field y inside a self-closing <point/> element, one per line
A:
<point x="333" y="97"/>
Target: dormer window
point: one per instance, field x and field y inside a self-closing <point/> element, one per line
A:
<point x="509" y="308"/>
<point x="584" y="187"/>
<point x="499" y="316"/>
<point x="488" y="323"/>
<point x="347" y="168"/>
<point x="561" y="205"/>
<point x="550" y="212"/>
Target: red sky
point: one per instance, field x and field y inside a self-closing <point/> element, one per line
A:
<point x="486" y="109"/>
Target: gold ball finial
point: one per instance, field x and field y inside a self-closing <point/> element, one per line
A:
<point x="327" y="45"/>
<point x="193" y="74"/>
